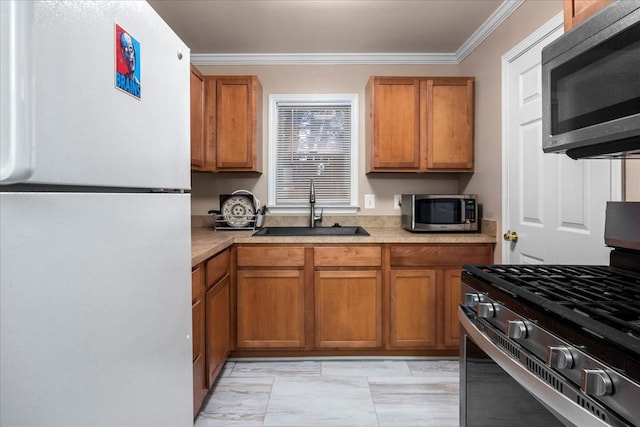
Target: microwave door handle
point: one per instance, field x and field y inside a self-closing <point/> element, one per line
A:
<point x="463" y="212"/>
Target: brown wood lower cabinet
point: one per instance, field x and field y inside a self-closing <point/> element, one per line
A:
<point x="217" y="314"/>
<point x="424" y="293"/>
<point x="217" y="303"/>
<point x="210" y="290"/>
<point x="412" y="309"/>
<point x="198" y="336"/>
<point x="348" y="309"/>
<point x="354" y="299"/>
<point x="270" y="309"/>
<point x="452" y="298"/>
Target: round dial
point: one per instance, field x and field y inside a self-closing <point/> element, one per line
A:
<point x="238" y="211"/>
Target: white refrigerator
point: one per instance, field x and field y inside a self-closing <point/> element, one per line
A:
<point x="95" y="246"/>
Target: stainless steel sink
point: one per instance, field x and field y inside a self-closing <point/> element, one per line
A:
<point x="315" y="231"/>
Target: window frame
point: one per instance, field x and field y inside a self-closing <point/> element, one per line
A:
<point x="274" y="99"/>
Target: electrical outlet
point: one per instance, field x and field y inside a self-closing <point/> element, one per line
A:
<point x="369" y="201"/>
<point x="396" y="201"/>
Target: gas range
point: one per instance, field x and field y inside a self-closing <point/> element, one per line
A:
<point x="596" y="307"/>
<point x="571" y="331"/>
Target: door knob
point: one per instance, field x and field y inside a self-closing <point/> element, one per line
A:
<point x="511" y="236"/>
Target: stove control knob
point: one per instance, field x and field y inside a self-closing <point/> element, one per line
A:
<point x="516" y="329"/>
<point x="595" y="382"/>
<point x="471" y="300"/>
<point x="559" y="357"/>
<point x="486" y="310"/>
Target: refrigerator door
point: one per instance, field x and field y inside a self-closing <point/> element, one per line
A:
<point x="74" y="125"/>
<point x="16" y="103"/>
<point x="95" y="310"/>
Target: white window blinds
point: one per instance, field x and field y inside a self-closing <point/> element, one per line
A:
<point x="314" y="140"/>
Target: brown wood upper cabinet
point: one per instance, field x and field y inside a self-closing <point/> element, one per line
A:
<point x="197" y="119"/>
<point x="577" y="11"/>
<point x="232" y="125"/>
<point x="420" y="124"/>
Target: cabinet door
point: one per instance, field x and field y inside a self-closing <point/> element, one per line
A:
<point x="197" y="119"/>
<point x="449" y="123"/>
<point x="412" y="309"/>
<point x="198" y="337"/>
<point x="270" y="309"/>
<point x="209" y="118"/>
<point x="348" y="309"/>
<point x="236" y="121"/>
<point x="451" y="291"/>
<point x="395" y="124"/>
<point x="217" y="304"/>
<point x="577" y="11"/>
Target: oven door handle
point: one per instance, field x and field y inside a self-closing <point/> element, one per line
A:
<point x="568" y="412"/>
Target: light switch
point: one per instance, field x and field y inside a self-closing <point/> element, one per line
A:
<point x="369" y="201"/>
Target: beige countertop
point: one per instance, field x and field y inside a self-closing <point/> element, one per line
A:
<point x="206" y="242"/>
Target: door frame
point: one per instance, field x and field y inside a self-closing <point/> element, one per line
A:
<point x="521" y="48"/>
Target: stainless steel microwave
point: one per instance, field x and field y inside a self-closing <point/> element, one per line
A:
<point x="591" y="86"/>
<point x="439" y="212"/>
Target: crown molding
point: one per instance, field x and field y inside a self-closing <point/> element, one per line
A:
<point x="494" y="21"/>
<point x="503" y="12"/>
<point x="322" y="58"/>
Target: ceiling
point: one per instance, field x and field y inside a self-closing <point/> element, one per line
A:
<point x="218" y="29"/>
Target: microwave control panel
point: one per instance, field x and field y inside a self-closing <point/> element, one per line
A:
<point x="470" y="210"/>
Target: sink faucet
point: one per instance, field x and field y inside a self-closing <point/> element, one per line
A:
<point x="312" y="201"/>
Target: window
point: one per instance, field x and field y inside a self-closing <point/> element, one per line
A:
<point x="313" y="137"/>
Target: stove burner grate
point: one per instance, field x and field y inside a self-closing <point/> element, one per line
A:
<point x="604" y="300"/>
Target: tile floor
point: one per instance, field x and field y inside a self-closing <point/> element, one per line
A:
<point x="334" y="393"/>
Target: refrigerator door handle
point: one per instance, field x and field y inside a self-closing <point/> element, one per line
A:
<point x="18" y="88"/>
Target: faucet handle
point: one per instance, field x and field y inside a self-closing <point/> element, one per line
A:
<point x="316" y="218"/>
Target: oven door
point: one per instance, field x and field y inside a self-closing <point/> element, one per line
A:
<point x="497" y="390"/>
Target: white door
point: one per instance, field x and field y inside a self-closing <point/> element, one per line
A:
<point x="554" y="204"/>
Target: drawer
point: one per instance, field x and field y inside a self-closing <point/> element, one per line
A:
<point x="217" y="267"/>
<point x="347" y="256"/>
<point x="197" y="282"/>
<point x="270" y="256"/>
<point x="440" y="255"/>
